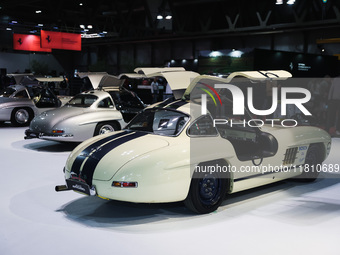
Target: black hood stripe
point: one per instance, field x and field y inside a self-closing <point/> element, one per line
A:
<point x="84" y="154"/>
<point x="166" y="102"/>
<point x="92" y="162"/>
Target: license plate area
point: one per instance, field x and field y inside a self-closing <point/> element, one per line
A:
<point x="78" y="186"/>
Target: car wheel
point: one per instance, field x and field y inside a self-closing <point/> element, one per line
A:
<point x="310" y="168"/>
<point x="105" y="127"/>
<point x="206" y="193"/>
<point x="21" y="117"/>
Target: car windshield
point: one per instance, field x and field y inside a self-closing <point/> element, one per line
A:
<point x="159" y="121"/>
<point x="7" y="92"/>
<point x="82" y="101"/>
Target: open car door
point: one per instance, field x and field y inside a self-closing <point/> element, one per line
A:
<point x="94" y="78"/>
<point x="110" y="83"/>
<point x="177" y="77"/>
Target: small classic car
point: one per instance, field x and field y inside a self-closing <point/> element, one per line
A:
<point x="20" y="103"/>
<point x="105" y="109"/>
<point x="174" y="151"/>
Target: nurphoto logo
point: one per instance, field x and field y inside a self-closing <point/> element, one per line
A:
<point x="238" y="104"/>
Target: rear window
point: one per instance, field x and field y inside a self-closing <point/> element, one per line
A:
<point x="82" y="101"/>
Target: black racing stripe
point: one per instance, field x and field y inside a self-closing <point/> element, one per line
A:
<point x="84" y="154"/>
<point x="166" y="102"/>
<point x="177" y="104"/>
<point x="92" y="162"/>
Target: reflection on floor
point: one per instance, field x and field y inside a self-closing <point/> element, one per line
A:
<point x="283" y="218"/>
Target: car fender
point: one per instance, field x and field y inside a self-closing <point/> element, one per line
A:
<point x="82" y="126"/>
<point x="163" y="175"/>
<point x="300" y="136"/>
<point x="101" y="116"/>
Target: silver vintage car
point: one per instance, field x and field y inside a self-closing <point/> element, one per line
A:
<point x="105" y="109"/>
<point x="20" y="103"/>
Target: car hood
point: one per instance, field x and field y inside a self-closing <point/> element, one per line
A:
<point x="47" y="120"/>
<point x="103" y="158"/>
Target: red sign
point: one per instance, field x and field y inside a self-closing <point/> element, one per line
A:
<point x="27" y="42"/>
<point x="60" y="40"/>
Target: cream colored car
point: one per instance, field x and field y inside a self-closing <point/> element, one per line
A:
<point x="172" y="152"/>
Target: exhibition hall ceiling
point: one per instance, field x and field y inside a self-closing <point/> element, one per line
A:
<point x="154" y="19"/>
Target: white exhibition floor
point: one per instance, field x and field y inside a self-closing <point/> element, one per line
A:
<point x="285" y="218"/>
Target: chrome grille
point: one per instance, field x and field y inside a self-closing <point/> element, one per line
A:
<point x="290" y="156"/>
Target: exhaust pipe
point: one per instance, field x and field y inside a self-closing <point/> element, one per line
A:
<point x="61" y="188"/>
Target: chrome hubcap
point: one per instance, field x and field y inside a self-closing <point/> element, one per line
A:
<point x="21" y="116"/>
<point x="106" y="129"/>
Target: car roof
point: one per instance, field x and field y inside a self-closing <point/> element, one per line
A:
<point x="250" y="75"/>
<point x="261" y="75"/>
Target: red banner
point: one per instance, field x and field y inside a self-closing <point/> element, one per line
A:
<point x="60" y="40"/>
<point x="28" y="43"/>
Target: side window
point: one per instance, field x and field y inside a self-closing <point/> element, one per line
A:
<point x="203" y="126"/>
<point x="105" y="103"/>
<point x="21" y="94"/>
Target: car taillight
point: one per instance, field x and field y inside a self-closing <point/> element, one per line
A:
<point x="125" y="184"/>
<point x="57" y="131"/>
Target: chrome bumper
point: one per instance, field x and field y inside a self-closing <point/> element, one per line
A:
<point x="29" y="134"/>
<point x="77" y="186"/>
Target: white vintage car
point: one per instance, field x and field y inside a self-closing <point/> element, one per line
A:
<point x="172" y="152"/>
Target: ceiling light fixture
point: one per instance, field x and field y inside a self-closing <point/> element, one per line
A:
<point x="159" y="17"/>
<point x="89" y="26"/>
<point x="82" y="26"/>
<point x="290" y="2"/>
<point x="38" y="11"/>
<point x="8" y="29"/>
<point x="40" y="25"/>
<point x="278" y="2"/>
<point x="168" y="17"/>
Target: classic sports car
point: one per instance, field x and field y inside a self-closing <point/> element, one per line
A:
<point x="20" y="103"/>
<point x="88" y="114"/>
<point x="108" y="108"/>
<point x="174" y="151"/>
